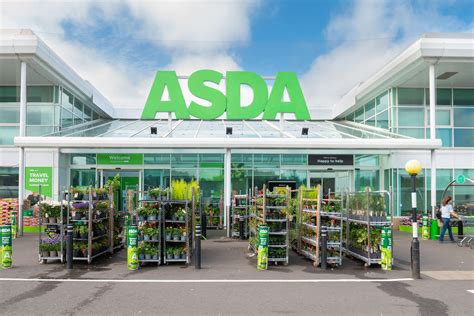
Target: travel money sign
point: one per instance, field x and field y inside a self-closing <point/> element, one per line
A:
<point x="270" y="104"/>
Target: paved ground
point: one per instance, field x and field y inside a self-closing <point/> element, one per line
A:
<point x="230" y="284"/>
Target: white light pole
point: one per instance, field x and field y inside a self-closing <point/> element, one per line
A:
<point x="413" y="168"/>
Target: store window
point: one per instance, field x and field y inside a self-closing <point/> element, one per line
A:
<point x="366" y="178"/>
<point x="410" y="96"/>
<point x="381" y="102"/>
<point x="300" y="176"/>
<point x="443" y="117"/>
<point x="10" y="114"/>
<point x="241" y="180"/>
<point x="370" y="109"/>
<point x="40" y="115"/>
<point x="184" y="174"/>
<point x="464" y="117"/>
<point x="411" y="117"/>
<point x="464" y="194"/>
<point x="9" y="94"/>
<point x="155" y="178"/>
<point x="8" y="182"/>
<point x="463" y="137"/>
<point x="67" y="100"/>
<point x="266" y="160"/>
<point x="463" y="97"/>
<point x="294" y="160"/>
<point x="412" y="132"/>
<point x="261" y="176"/>
<point x="443" y="96"/>
<point x="382" y="119"/>
<point x="241" y="160"/>
<point x="83" y="159"/>
<point x="443" y="178"/>
<point x="66" y="118"/>
<point x="40" y="130"/>
<point x="40" y="94"/>
<point x="157" y="159"/>
<point x="359" y="115"/>
<point x="211" y="160"/>
<point x="366" y="160"/>
<point x="184" y="160"/>
<point x="405" y="182"/>
<point x="7" y="133"/>
<point x="211" y="182"/>
<point x="82" y="177"/>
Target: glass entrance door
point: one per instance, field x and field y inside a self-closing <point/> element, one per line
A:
<point x="331" y="181"/>
<point x="129" y="180"/>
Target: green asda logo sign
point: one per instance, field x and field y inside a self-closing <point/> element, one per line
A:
<point x="270" y="104"/>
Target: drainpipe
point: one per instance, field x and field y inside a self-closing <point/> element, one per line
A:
<point x="21" y="162"/>
<point x="432" y="91"/>
<point x="227" y="189"/>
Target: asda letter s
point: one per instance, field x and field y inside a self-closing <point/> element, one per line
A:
<point x="263" y="102"/>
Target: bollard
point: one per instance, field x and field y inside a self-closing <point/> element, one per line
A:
<point x="204" y="225"/>
<point x="6" y="246"/>
<point x="460" y="230"/>
<point x="241" y="227"/>
<point x="69" y="247"/>
<point x="324" y="245"/>
<point x="197" y="254"/>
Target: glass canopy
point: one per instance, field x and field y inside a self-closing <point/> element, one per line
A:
<point x="219" y="128"/>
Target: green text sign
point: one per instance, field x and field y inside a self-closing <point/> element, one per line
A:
<point x="39" y="176"/>
<point x="119" y="159"/>
<point x="132" y="247"/>
<point x="6" y="246"/>
<point x="270" y="104"/>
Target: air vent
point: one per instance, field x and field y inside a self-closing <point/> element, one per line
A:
<point x="446" y="75"/>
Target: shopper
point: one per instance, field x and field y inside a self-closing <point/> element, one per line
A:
<point x="446" y="213"/>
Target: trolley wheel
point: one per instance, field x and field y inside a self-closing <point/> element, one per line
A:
<point x="460" y="243"/>
<point x="366" y="265"/>
<point x="315" y="264"/>
<point x="285" y="263"/>
<point x="42" y="261"/>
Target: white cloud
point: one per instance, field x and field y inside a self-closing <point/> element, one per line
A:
<point x="198" y="34"/>
<point x="363" y="39"/>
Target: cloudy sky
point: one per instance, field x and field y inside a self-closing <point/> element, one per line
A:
<point x="118" y="45"/>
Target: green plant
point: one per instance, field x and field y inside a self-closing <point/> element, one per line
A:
<point x="170" y="251"/>
<point x="151" y="211"/>
<point x="142" y="211"/>
<point x="113" y="183"/>
<point x="177" y="251"/>
<point x="169" y="230"/>
<point x="83" y="229"/>
<point x="102" y="205"/>
<point x="155" y="192"/>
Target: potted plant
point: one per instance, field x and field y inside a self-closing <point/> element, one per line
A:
<point x="44" y="249"/>
<point x="155" y="234"/>
<point x="176" y="234"/>
<point x="155" y="193"/>
<point x="169" y="253"/>
<point x="77" y="250"/>
<point x="183" y="253"/>
<point x="152" y="214"/>
<point x="141" y="252"/>
<point x="53" y="251"/>
<point x="177" y="253"/>
<point x="101" y="194"/>
<point x="181" y="214"/>
<point x="142" y="213"/>
<point x="169" y="233"/>
<point x="183" y="234"/>
<point x="83" y="231"/>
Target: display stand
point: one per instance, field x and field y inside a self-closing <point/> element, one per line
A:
<point x="149" y="217"/>
<point x="178" y="216"/>
<point x="53" y="229"/>
<point x="93" y="225"/>
<point x="367" y="214"/>
<point x="317" y="212"/>
<point x="213" y="208"/>
<point x="271" y="209"/>
<point x="240" y="210"/>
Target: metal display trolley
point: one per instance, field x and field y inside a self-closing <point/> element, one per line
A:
<point x="50" y="232"/>
<point x="270" y="208"/>
<point x="148" y="217"/>
<point x="93" y="221"/>
<point x="315" y="213"/>
<point x="178" y="225"/>
<point x="213" y="210"/>
<point x="240" y="211"/>
<point x="367" y="214"/>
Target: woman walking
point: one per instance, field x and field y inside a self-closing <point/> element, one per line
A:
<point x="446" y="213"/>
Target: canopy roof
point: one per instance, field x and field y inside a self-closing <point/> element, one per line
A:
<point x="259" y="134"/>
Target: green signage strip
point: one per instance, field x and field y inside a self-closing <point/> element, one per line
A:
<point x="39" y="179"/>
<point x="119" y="159"/>
<point x="270" y="104"/>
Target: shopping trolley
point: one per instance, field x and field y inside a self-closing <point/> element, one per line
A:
<point x="468" y="226"/>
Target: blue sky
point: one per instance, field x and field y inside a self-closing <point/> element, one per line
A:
<point x="332" y="44"/>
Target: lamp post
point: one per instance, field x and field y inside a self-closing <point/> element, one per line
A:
<point x="413" y="168"/>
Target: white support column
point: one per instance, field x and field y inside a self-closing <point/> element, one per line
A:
<point x="227" y="189"/>
<point x="21" y="162"/>
<point x="432" y="91"/>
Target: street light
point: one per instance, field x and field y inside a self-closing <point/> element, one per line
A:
<point x="413" y="168"/>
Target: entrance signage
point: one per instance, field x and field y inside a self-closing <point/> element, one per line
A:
<point x="331" y="160"/>
<point x="461" y="179"/>
<point x="270" y="104"/>
<point x="36" y="177"/>
<point x="119" y="159"/>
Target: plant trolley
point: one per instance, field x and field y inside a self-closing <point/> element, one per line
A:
<point x="148" y="217"/>
<point x="316" y="212"/>
<point x="368" y="213"/>
<point x="271" y="209"/>
<point x="213" y="209"/>
<point x="178" y="223"/>
<point x="92" y="215"/>
<point x="240" y="210"/>
<point x="51" y="231"/>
